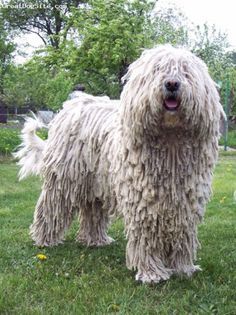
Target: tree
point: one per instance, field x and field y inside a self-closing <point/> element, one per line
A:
<point x="112" y="35"/>
<point x="95" y="40"/>
<point x="48" y="18"/>
<point x="211" y="45"/>
<point x="36" y="86"/>
<point x="6" y="50"/>
<point x="170" y="26"/>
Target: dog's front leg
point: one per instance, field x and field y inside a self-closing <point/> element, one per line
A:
<point x="144" y="250"/>
<point x="184" y="248"/>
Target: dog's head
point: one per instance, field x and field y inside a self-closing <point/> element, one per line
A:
<point x="170" y="88"/>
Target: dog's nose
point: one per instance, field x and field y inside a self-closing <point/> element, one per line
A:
<point x="172" y="85"/>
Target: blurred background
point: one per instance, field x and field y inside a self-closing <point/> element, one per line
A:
<point x="48" y="47"/>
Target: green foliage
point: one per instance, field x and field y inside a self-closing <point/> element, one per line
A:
<point x="93" y="42"/>
<point x="26" y="84"/>
<point x="79" y="280"/>
<point x="112" y="35"/>
<point x="9" y="140"/>
<point x="229" y="88"/>
<point x="36" y="85"/>
<point x="211" y="45"/>
<point x="6" y="49"/>
<point x="57" y="90"/>
<point x="108" y="36"/>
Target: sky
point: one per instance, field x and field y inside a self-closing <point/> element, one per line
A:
<point x="221" y="13"/>
<point x="218" y="12"/>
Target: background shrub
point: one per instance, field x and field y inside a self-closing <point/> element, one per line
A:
<point x="9" y="140"/>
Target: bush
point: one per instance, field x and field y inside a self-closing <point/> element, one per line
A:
<point x="9" y="140"/>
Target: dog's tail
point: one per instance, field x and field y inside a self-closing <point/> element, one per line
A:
<point x="30" y="153"/>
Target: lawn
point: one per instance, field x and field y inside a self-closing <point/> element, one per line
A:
<point x="78" y="280"/>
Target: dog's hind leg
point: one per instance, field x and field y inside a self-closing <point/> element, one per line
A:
<point x="93" y="225"/>
<point x="53" y="216"/>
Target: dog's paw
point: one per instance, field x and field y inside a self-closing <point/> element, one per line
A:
<point x="189" y="270"/>
<point x="90" y="242"/>
<point x="106" y="241"/>
<point x="42" y="244"/>
<point x="151" y="277"/>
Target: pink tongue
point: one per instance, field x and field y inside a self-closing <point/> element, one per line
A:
<point x="171" y="103"/>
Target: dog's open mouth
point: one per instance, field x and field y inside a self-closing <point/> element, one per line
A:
<point x="171" y="104"/>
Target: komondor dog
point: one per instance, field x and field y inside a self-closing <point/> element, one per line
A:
<point x="149" y="157"/>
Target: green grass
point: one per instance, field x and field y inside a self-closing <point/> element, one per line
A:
<point x="79" y="280"/>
